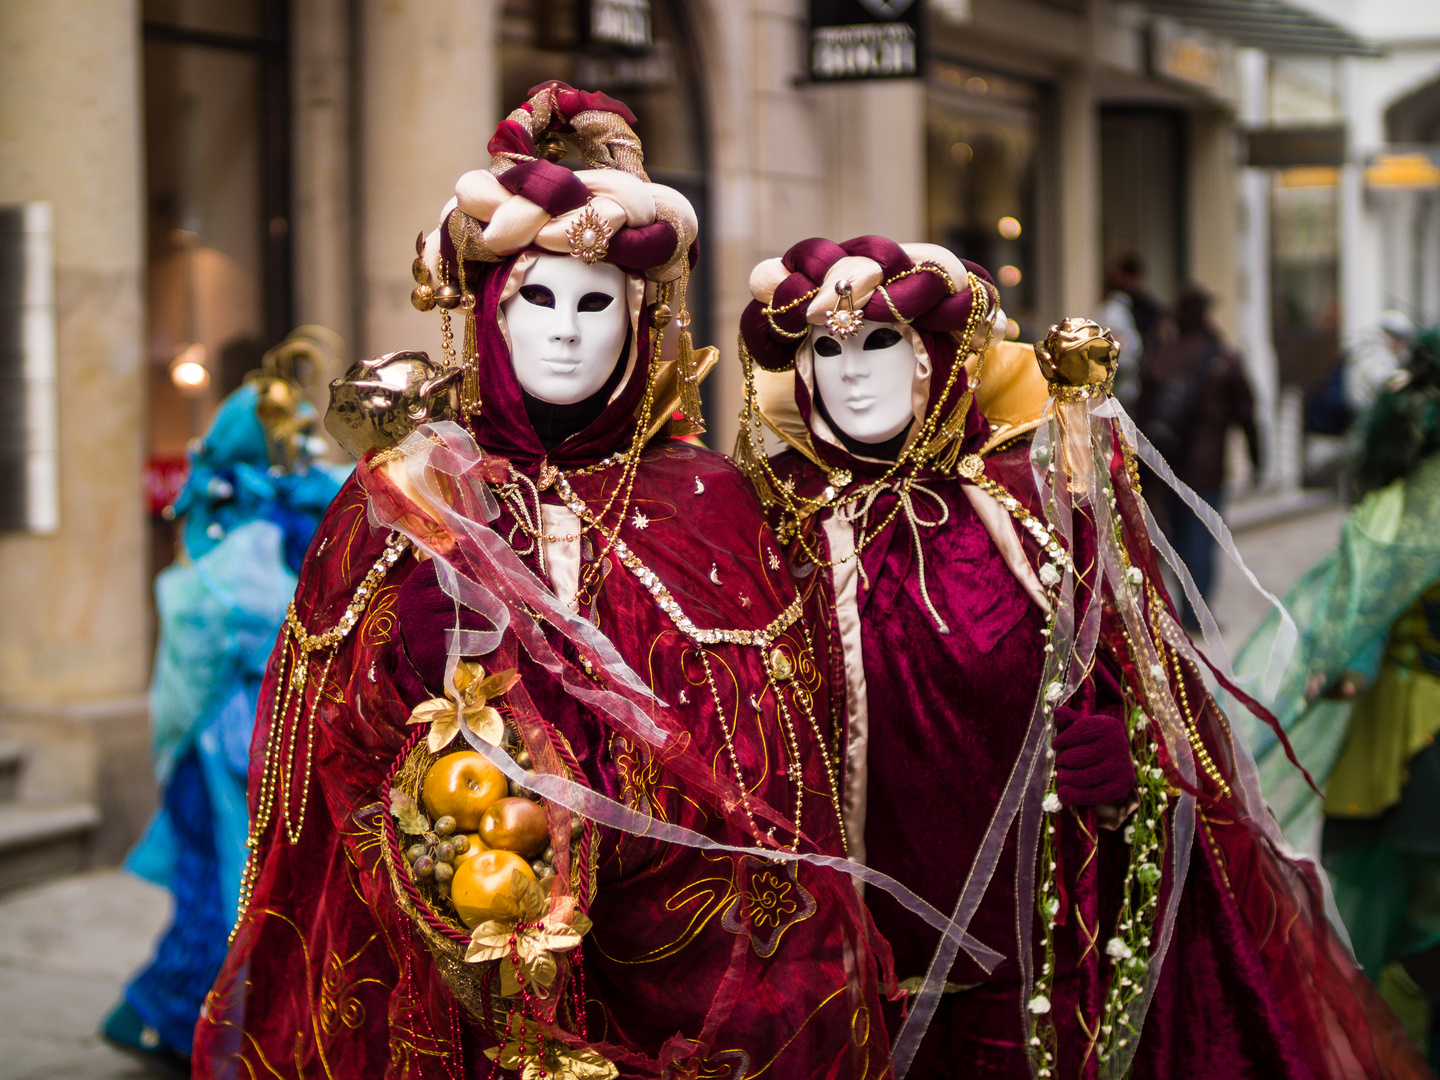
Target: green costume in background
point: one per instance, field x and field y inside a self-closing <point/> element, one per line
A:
<point x="1370" y="612"/>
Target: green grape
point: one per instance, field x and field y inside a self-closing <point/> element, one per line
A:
<point x="424" y="866"/>
<point x="444" y="872"/>
<point x="414" y="851"/>
<point x="444" y="826"/>
<point x="444" y="852"/>
<point x="460" y="843"/>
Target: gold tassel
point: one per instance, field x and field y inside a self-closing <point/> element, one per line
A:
<point x="747" y="460"/>
<point x="470" y="364"/>
<point x="689" y="374"/>
<point x="686" y="369"/>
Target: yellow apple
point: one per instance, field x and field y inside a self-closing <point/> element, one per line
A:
<point x="479" y="881"/>
<point x="464" y="786"/>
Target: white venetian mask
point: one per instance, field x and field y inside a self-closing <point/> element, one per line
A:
<point x="865" y="381"/>
<point x="567" y="325"/>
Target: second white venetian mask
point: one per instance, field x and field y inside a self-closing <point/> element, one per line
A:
<point x="567" y="325"/>
<point x="865" y="381"/>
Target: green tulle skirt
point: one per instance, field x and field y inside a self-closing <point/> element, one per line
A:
<point x="1370" y="609"/>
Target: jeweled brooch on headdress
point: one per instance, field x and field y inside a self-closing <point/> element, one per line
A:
<point x="844" y="321"/>
<point x="589" y="237"/>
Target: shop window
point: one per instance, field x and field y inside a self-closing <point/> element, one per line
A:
<point x="1304" y="273"/>
<point x="1142" y="194"/>
<point x="217" y="191"/>
<point x="982" y="180"/>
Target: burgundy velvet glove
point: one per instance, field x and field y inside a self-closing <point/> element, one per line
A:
<point x="1092" y="758"/>
<point x="425" y="613"/>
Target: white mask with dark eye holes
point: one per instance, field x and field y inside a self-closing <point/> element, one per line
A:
<point x="567" y="326"/>
<point x="865" y="381"/>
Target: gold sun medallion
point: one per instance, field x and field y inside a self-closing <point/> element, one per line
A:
<point x="589" y="236"/>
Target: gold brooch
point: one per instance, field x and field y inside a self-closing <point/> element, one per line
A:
<point x="844" y="321"/>
<point x="589" y="236"/>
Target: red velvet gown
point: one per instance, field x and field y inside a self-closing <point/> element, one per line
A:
<point x="1255" y="983"/>
<point x="700" y="963"/>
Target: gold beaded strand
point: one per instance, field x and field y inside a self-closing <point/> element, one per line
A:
<point x="289" y="713"/>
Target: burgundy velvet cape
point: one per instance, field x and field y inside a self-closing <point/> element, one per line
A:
<point x="1255" y="984"/>
<point x="699" y="963"/>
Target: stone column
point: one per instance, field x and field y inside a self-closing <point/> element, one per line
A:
<point x="322" y="208"/>
<point x="428" y="82"/>
<point x="75" y="641"/>
<point x="1212" y="216"/>
<point x="876" y="159"/>
<point x="1079" y="184"/>
<point x="1253" y="330"/>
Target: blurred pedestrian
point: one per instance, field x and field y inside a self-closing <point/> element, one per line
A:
<point x="1193" y="390"/>
<point x="1134" y="316"/>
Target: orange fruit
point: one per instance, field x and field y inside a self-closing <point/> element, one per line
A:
<point x="479" y="881"/>
<point x="463" y="785"/>
<point x="515" y="824"/>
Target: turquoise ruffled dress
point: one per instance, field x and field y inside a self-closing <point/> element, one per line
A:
<point x="220" y="606"/>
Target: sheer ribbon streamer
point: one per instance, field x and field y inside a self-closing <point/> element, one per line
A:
<point x="1286" y="635"/>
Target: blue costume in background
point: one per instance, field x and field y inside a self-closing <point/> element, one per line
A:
<point x="247" y="525"/>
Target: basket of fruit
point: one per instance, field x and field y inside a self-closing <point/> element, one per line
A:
<point x="461" y="841"/>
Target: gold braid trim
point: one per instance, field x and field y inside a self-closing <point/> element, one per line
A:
<point x="468" y="236"/>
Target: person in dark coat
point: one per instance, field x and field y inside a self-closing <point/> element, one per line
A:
<point x="1193" y="390"/>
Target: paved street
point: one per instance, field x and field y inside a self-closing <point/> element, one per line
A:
<point x="66" y="948"/>
<point x="1278" y="553"/>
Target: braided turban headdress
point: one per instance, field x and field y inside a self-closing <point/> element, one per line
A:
<point x="524" y="201"/>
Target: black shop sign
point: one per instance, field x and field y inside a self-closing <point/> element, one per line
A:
<point x="864" y="39"/>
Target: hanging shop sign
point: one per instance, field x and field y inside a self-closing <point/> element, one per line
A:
<point x="1186" y="56"/>
<point x="621" y="24"/>
<point x="1404" y="169"/>
<point x="1289" y="147"/>
<point x="864" y="39"/>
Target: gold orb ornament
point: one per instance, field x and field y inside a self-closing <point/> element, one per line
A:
<point x="422" y="297"/>
<point x="447" y="297"/>
<point x="1078" y="358"/>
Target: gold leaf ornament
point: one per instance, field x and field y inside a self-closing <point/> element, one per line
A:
<point x="470" y="705"/>
<point x="525" y="935"/>
<point x="406" y="811"/>
<point x="533" y="1055"/>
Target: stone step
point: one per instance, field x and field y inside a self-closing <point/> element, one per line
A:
<point x="44" y="840"/>
<point x="12" y="764"/>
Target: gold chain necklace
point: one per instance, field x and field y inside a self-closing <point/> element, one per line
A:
<point x="278" y="774"/>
